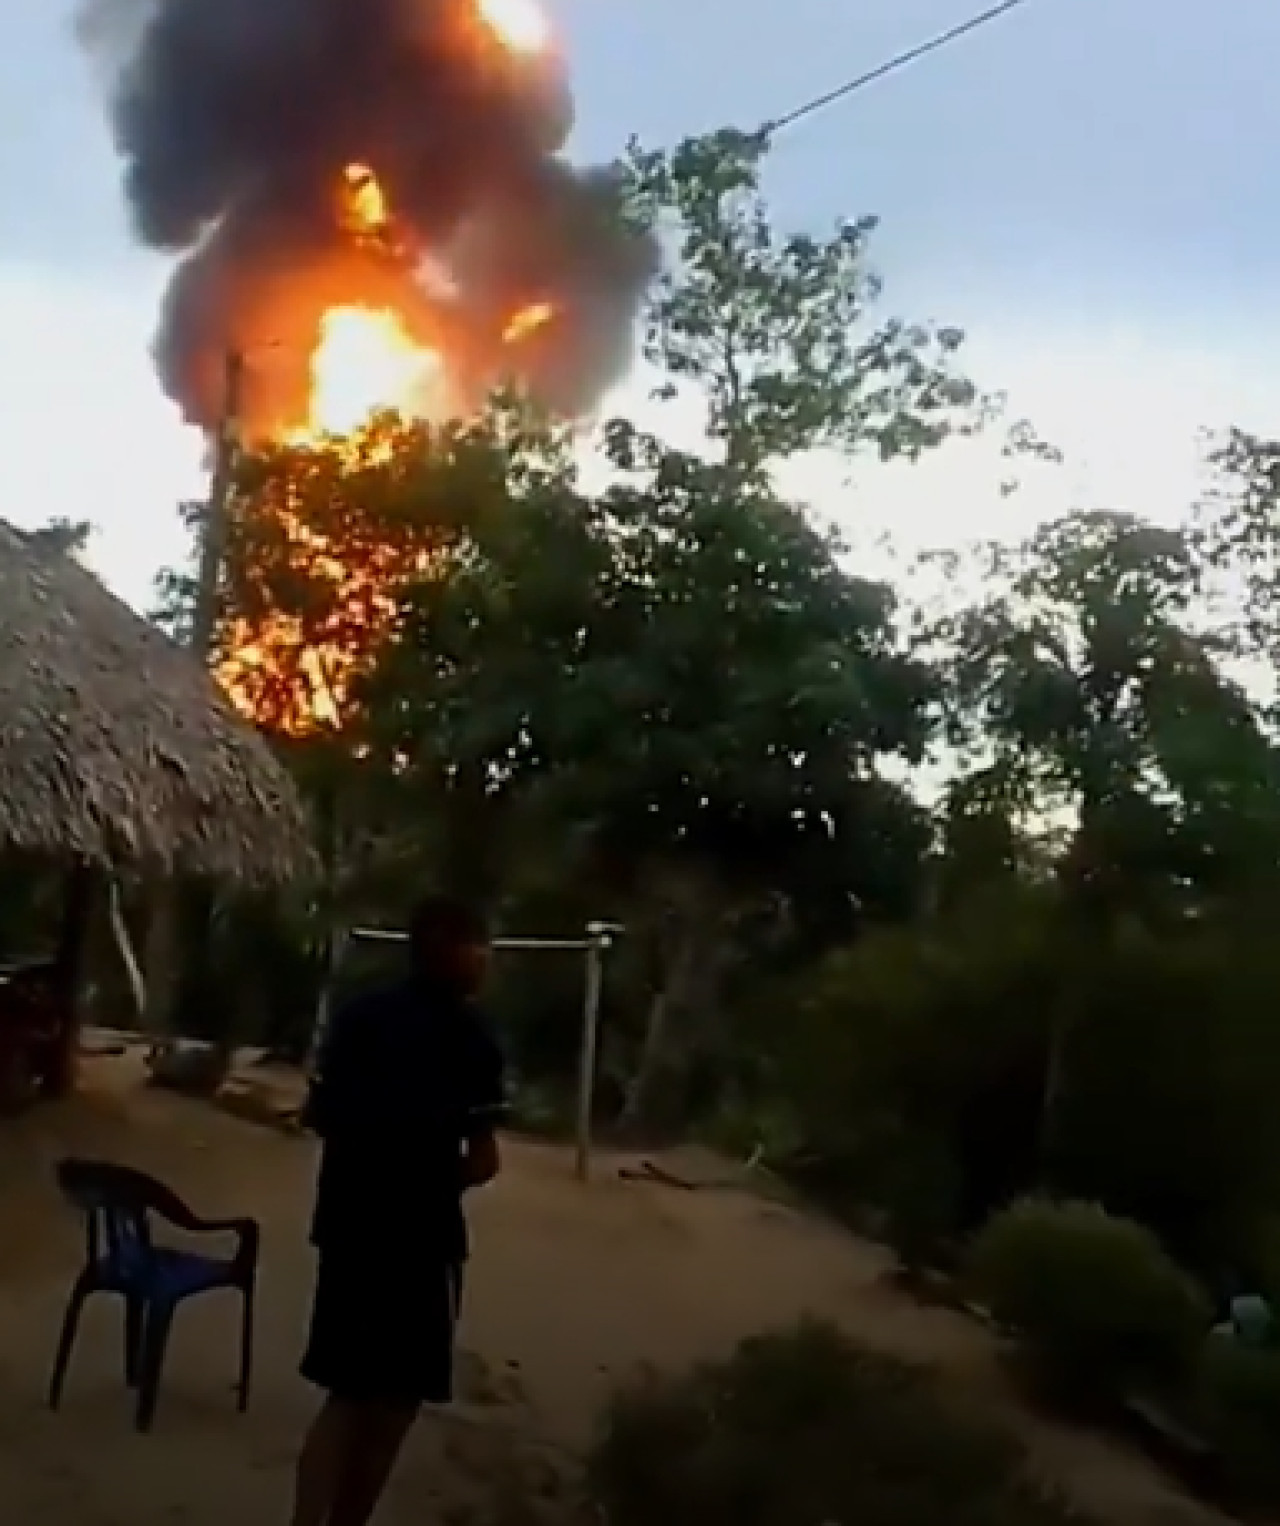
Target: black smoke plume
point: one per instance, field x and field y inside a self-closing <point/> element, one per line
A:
<point x="236" y="119"/>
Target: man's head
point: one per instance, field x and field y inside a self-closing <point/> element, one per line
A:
<point x="449" y="942"/>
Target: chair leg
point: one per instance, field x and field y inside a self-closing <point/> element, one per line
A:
<point x="67" y="1339"/>
<point x="246" y="1348"/>
<point x="135" y="1315"/>
<point x="159" y="1320"/>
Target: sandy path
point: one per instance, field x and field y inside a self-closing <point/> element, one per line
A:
<point x="570" y="1288"/>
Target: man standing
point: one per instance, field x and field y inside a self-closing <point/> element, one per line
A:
<point x="406" y="1100"/>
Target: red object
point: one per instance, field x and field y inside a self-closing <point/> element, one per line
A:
<point x="36" y="1034"/>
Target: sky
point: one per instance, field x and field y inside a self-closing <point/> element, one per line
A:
<point x="1085" y="187"/>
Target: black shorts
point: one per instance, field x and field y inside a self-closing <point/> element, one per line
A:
<point x="381" y="1332"/>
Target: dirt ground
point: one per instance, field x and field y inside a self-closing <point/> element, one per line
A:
<point x="571" y="1288"/>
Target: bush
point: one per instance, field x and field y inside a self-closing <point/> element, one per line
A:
<point x="916" y="1061"/>
<point x="1101" y="1308"/>
<point x="804" y="1427"/>
<point x="1238" y="1413"/>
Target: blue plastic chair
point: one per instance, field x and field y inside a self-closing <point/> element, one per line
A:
<point x="119" y="1205"/>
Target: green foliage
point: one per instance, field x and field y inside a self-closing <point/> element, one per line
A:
<point x="772" y="327"/>
<point x="571" y="649"/>
<point x="1240" y="528"/>
<point x="1083" y="685"/>
<point x="1238" y="1413"/>
<point x="942" y="1068"/>
<point x="805" y="1427"/>
<point x="671" y="699"/>
<point x="1100" y="1307"/>
<point x="1169" y="1072"/>
<point x="553" y="688"/>
<point x="917" y="1063"/>
<point x="326" y="537"/>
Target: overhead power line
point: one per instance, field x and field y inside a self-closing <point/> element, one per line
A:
<point x="890" y="66"/>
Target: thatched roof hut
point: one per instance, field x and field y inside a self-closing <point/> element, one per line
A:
<point x="116" y="746"/>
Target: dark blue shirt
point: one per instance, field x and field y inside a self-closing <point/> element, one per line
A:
<point x="407" y="1075"/>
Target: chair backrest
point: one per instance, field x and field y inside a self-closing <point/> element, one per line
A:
<point x="118" y="1202"/>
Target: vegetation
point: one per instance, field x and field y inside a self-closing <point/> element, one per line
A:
<point x="660" y="692"/>
<point x="801" y="1427"/>
<point x="943" y="905"/>
<point x="1100" y="1307"/>
<point x="1239" y="1413"/>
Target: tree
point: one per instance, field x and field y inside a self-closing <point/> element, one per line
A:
<point x="557" y="669"/>
<point x="1075" y="1010"/>
<point x="1084" y="688"/>
<point x="1240" y="527"/>
<point x="321" y="536"/>
<point x="775" y="333"/>
<point x="693" y="694"/>
<point x="771" y="334"/>
<point x="771" y="330"/>
<point x="673" y="700"/>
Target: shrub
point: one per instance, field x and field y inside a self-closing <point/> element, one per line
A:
<point x="1099" y="1305"/>
<point x="805" y="1427"/>
<point x="1238" y="1412"/>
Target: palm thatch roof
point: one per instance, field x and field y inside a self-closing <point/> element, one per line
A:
<point x="116" y="745"/>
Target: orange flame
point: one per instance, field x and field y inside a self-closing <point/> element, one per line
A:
<point x="364" y="196"/>
<point x="295" y="674"/>
<point x="292" y="674"/>
<point x="366" y="361"/>
<point x="528" y="321"/>
<point x="520" y="25"/>
<point x="363" y="206"/>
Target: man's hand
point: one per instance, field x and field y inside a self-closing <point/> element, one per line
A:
<point x="482" y="1161"/>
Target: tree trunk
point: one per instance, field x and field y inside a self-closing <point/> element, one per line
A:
<point x="652" y="1049"/>
<point x="655" y="1049"/>
<point x="1085" y="879"/>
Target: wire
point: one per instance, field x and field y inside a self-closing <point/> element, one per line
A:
<point x="890" y="66"/>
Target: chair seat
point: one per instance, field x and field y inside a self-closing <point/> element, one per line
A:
<point x="165" y="1273"/>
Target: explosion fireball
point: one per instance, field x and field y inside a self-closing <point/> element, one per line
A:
<point x="520" y="24"/>
<point x="365" y="361"/>
<point x="370" y="210"/>
<point x="371" y="187"/>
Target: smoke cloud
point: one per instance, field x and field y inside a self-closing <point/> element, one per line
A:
<point x="236" y="119"/>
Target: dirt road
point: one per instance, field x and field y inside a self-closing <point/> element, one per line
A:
<point x="571" y="1288"/>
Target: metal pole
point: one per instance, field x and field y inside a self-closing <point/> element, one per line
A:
<point x="213" y="539"/>
<point x="324" y="1003"/>
<point x="393" y="935"/>
<point x="587" y="1057"/>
